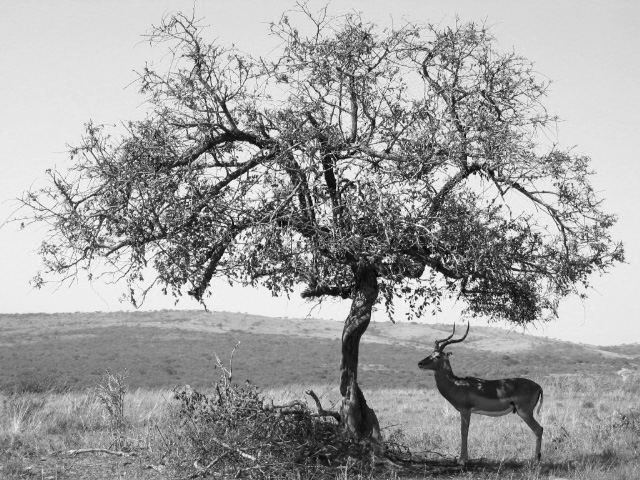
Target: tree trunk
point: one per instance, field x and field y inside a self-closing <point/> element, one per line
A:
<point x="357" y="417"/>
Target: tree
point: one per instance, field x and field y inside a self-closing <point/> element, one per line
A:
<point x="364" y="163"/>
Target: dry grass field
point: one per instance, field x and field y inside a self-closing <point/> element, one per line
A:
<point x="592" y="431"/>
<point x="48" y="407"/>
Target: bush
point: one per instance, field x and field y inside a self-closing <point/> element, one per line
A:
<point x="110" y="392"/>
<point x="629" y="420"/>
<point x="234" y="431"/>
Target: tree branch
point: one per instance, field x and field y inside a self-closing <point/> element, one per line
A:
<point x="321" y="411"/>
<point x="321" y="290"/>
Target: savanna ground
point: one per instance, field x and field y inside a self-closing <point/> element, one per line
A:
<point x="49" y="406"/>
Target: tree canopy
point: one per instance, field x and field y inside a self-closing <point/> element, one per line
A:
<point x="420" y="152"/>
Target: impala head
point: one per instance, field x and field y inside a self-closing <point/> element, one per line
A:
<point x="439" y="357"/>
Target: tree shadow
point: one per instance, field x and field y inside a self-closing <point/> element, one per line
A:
<point x="411" y="466"/>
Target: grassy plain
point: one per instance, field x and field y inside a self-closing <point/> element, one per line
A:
<point x="592" y="431"/>
<point x="591" y="415"/>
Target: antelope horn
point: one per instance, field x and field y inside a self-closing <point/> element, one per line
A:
<point x="449" y="342"/>
<point x="439" y="342"/>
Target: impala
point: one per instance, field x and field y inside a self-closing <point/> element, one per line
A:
<point x="485" y="397"/>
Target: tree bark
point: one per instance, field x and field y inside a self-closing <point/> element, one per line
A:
<point x="357" y="417"/>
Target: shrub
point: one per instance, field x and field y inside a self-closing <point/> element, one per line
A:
<point x="629" y="420"/>
<point x="234" y="431"/>
<point x="110" y="392"/>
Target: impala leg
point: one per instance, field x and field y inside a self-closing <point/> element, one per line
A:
<point x="465" y="419"/>
<point x="535" y="427"/>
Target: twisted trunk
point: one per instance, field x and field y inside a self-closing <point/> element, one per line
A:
<point x="357" y="417"/>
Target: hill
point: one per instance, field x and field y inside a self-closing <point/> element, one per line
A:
<point x="164" y="348"/>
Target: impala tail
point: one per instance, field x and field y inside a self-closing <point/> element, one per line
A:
<point x="540" y="401"/>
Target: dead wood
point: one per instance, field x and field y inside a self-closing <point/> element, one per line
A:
<point x="321" y="411"/>
<point x="200" y="471"/>
<point x="236" y="450"/>
<point x="101" y="450"/>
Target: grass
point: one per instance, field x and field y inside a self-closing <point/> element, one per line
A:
<point x="48" y="405"/>
<point x="36" y="430"/>
<point x="580" y="441"/>
<point x="592" y="430"/>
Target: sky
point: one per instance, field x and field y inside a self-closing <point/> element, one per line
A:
<point x="67" y="62"/>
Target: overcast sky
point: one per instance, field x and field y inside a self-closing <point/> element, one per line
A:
<point x="63" y="63"/>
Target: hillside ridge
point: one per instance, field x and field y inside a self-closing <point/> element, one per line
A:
<point x="172" y="347"/>
<point x="413" y="334"/>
